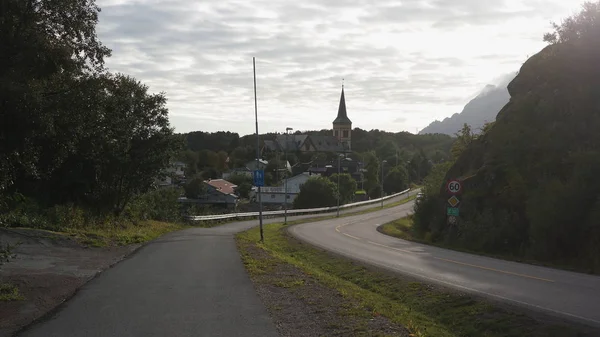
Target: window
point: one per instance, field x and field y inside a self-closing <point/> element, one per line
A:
<point x="272" y="196"/>
<point x="345" y="133"/>
<point x="337" y="132"/>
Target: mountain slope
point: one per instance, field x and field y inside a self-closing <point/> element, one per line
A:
<point x="481" y="109"/>
<point x="531" y="183"/>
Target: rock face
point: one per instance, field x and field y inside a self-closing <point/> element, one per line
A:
<point x="481" y="109"/>
<point x="532" y="182"/>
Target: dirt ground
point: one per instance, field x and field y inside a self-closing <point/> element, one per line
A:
<point x="302" y="307"/>
<point x="48" y="269"/>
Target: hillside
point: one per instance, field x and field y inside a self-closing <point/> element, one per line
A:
<point x="531" y="185"/>
<point x="481" y="109"/>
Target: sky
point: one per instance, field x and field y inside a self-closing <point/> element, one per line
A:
<point x="403" y="63"/>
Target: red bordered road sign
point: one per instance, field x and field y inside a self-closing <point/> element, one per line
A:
<point x="454" y="187"/>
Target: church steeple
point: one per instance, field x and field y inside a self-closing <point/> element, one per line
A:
<point x="342" y="125"/>
<point x="342" y="116"/>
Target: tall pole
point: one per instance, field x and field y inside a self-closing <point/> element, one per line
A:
<point x="382" y="163"/>
<point x="286" y="178"/>
<point x="260" y="218"/>
<point x="338" y="186"/>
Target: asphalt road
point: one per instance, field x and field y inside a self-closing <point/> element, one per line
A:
<point x="188" y="283"/>
<point x="565" y="294"/>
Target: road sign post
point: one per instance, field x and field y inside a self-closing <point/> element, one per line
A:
<point x="452" y="211"/>
<point x="453" y="187"/>
<point x="259" y="178"/>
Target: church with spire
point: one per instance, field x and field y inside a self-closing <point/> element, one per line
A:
<point x="342" y="125"/>
<point x="338" y="141"/>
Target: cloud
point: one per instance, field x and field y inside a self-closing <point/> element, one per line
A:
<point x="405" y="63"/>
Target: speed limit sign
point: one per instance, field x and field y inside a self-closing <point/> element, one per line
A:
<point x="454" y="186"/>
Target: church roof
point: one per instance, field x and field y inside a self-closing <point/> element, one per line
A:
<point x="342" y="116"/>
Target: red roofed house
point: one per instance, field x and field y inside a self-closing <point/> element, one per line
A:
<point x="219" y="191"/>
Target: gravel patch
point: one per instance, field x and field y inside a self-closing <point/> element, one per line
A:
<point x="48" y="269"/>
<point x="301" y="306"/>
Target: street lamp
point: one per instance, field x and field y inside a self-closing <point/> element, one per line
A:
<point x="382" y="163"/>
<point x="285" y="201"/>
<point x="338" y="184"/>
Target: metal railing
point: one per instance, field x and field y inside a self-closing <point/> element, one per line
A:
<point x="291" y="211"/>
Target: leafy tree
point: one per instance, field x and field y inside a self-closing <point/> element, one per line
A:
<point x="463" y="139"/>
<point x="194" y="188"/>
<point x="238" y="179"/>
<point x="207" y="158"/>
<point x="136" y="146"/>
<point x="244" y="184"/>
<point x="583" y="25"/>
<point x="316" y="192"/>
<point x="209" y="173"/>
<point x="396" y="180"/>
<point x="434" y="182"/>
<point x="347" y="186"/>
<point x="244" y="189"/>
<point x="47" y="46"/>
<point x="190" y="158"/>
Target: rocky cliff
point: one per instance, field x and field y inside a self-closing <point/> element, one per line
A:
<point x="532" y="181"/>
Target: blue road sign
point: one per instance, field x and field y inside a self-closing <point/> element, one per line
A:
<point x="259" y="178"/>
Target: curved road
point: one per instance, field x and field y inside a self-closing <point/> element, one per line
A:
<point x="567" y="294"/>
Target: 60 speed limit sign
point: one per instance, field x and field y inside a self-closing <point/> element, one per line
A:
<point x="454" y="186"/>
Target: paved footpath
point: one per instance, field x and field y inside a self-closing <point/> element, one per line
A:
<point x="188" y="283"/>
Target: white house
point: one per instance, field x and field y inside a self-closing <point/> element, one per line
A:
<point x="177" y="168"/>
<point x="172" y="174"/>
<point x="276" y="194"/>
<point x="262" y="164"/>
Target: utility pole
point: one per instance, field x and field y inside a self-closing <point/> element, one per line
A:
<point x="382" y="163"/>
<point x="285" y="201"/>
<point x="260" y="217"/>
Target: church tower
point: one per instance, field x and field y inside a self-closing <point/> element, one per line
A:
<point x="342" y="125"/>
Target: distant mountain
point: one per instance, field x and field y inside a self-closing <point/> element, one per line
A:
<point x="481" y="109"/>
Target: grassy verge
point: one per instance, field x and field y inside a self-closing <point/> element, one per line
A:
<point x="118" y="234"/>
<point x="122" y="234"/>
<point x="9" y="292"/>
<point x="424" y="309"/>
<point x="402" y="229"/>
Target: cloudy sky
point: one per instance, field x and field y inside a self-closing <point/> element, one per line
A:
<point x="404" y="63"/>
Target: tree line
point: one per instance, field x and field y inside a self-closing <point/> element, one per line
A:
<point x="408" y="157"/>
<point x="72" y="134"/>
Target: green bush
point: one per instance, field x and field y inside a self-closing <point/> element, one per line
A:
<point x="161" y="205"/>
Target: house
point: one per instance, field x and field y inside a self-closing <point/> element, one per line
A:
<point x="304" y="143"/>
<point x="252" y="165"/>
<point x="172" y="175"/>
<point x="177" y="168"/>
<point x="218" y="192"/>
<point x="277" y="194"/>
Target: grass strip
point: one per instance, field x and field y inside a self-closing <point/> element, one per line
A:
<point x="9" y="292"/>
<point x="425" y="310"/>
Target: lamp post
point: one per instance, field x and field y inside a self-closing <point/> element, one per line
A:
<point x="338" y="184"/>
<point x="382" y="163"/>
<point x="285" y="201"/>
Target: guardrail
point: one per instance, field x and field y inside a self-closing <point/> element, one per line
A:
<point x="292" y="211"/>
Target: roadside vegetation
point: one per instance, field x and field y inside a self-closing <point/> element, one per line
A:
<point x="424" y="310"/>
<point x="530" y="179"/>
